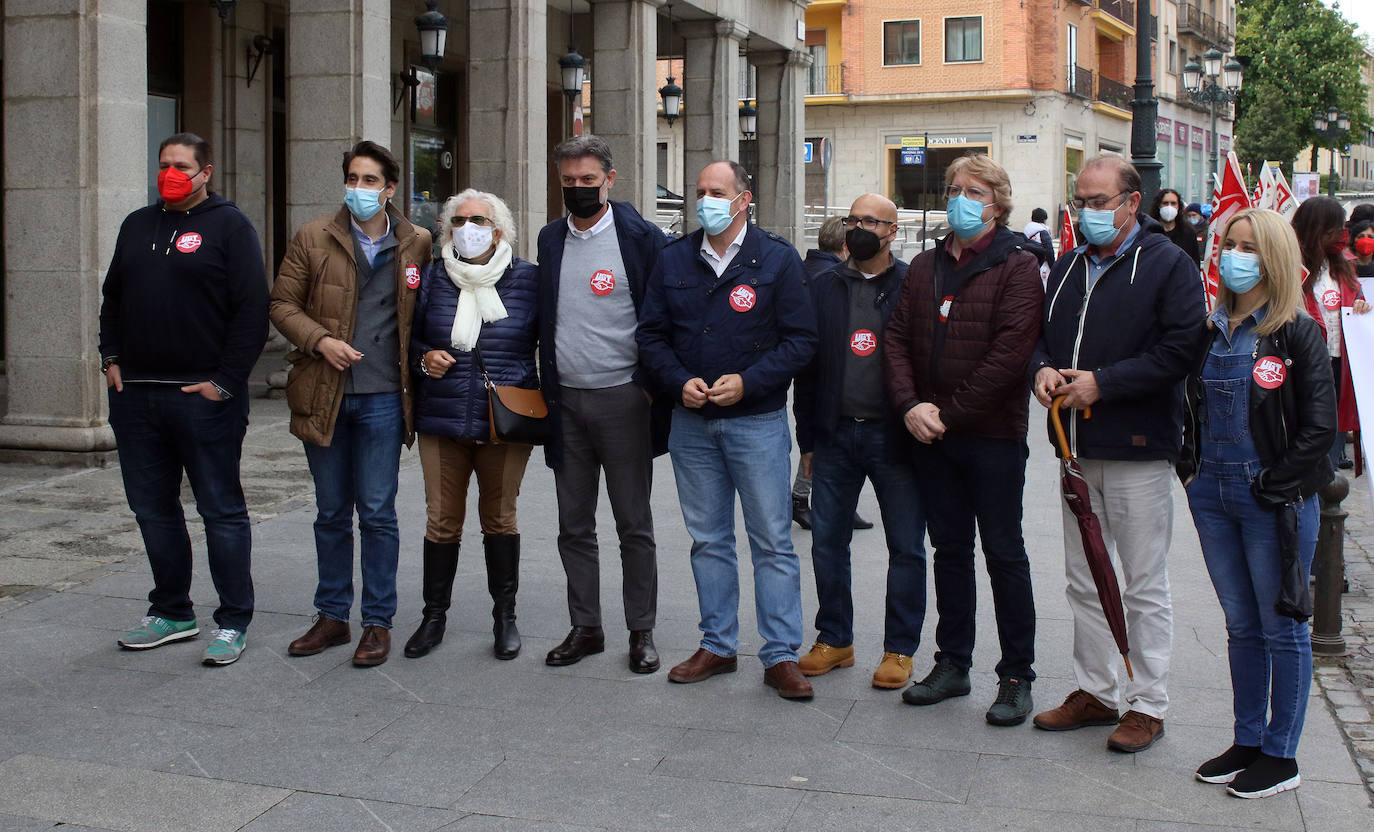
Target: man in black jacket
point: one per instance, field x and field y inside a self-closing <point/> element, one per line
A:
<point x="1121" y="312"/>
<point x="182" y="322"/>
<point x="593" y="266"/>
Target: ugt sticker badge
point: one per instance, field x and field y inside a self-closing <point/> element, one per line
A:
<point x="742" y="298"/>
<point x="1269" y="372"/>
<point x="188" y="242"/>
<point x="863" y="342"/>
<point x="603" y="282"/>
<point x="412" y="275"/>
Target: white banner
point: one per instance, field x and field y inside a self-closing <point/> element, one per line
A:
<point x="1359" y="352"/>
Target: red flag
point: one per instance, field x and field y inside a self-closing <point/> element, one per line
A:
<point x="1229" y="199"/>
<point x="1066" y="238"/>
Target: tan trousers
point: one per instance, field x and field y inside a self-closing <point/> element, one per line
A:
<point x="448" y="465"/>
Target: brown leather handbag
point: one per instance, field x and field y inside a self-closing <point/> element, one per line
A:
<point x="516" y="415"/>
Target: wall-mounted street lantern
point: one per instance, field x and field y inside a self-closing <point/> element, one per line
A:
<point x="224" y="7"/>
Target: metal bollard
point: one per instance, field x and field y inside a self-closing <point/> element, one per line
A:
<point x="1329" y="569"/>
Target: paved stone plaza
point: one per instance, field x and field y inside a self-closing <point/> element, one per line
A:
<point x="92" y="737"/>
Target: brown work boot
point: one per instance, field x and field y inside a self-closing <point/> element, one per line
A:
<point x="703" y="665"/>
<point x="1136" y="732"/>
<point x="323" y="634"/>
<point x="823" y="658"/>
<point x="373" y="647"/>
<point x="893" y="671"/>
<point x="788" y="679"/>
<point x="1079" y="710"/>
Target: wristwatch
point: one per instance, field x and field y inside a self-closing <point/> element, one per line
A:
<point x="107" y="361"/>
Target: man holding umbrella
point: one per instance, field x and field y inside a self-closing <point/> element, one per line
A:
<point x="1120" y="311"/>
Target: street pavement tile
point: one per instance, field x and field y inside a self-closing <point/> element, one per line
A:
<point x="1141" y="792"/>
<point x="824" y="812"/>
<point x="100" y="733"/>
<point x="318" y="811"/>
<point x="475" y="822"/>
<point x="77" y="685"/>
<point x="14" y="823"/>
<point x="126" y="798"/>
<point x="847" y="768"/>
<point x="605" y="795"/>
<point x="1334" y="805"/>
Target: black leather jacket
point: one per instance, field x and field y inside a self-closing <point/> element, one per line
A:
<point x="1292" y="425"/>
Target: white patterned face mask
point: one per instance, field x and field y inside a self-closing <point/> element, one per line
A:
<point x="471" y="240"/>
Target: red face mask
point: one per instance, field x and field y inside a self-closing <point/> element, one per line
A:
<point x="1339" y="243"/>
<point x="175" y="186"/>
<point x="1364" y="246"/>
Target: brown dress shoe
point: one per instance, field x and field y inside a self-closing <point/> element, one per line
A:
<point x="323" y="634"/>
<point x="788" y="679"/>
<point x="373" y="647"/>
<point x="1136" y="732"/>
<point x="703" y="665"/>
<point x="1079" y="710"/>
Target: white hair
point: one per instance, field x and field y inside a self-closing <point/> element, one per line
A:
<point x="500" y="215"/>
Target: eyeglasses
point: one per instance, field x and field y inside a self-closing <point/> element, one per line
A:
<point x="975" y="194"/>
<point x="1097" y="203"/>
<point x="476" y="219"/>
<point x="866" y="223"/>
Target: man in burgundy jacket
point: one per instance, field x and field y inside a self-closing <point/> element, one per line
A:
<point x="957" y="349"/>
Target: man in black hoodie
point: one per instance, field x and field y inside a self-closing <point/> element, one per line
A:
<point x="183" y="320"/>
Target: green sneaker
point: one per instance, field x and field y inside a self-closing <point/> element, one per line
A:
<point x="225" y="647"/>
<point x="154" y="631"/>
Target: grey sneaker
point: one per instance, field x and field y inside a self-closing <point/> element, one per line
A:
<point x="941" y="683"/>
<point x="225" y="647"/>
<point x="154" y="631"/>
<point x="1013" y="703"/>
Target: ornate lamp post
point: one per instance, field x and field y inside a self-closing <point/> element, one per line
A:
<point x="1201" y="83"/>
<point x="1333" y="129"/>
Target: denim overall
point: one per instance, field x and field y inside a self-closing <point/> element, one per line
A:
<point x="1270" y="655"/>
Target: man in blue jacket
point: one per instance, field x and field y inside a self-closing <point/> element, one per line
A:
<point x="593" y="267"/>
<point x="727" y="323"/>
<point x="1122" y="312"/>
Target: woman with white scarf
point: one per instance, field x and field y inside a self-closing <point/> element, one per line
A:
<point x="477" y="299"/>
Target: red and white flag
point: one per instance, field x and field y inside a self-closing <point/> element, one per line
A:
<point x="1229" y="198"/>
<point x="1274" y="194"/>
<point x="1066" y="238"/>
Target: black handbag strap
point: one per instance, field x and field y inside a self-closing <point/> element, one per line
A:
<point x="481" y="365"/>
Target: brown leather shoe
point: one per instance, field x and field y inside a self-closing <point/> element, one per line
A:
<point x="323" y="634"/>
<point x="1136" y="732"/>
<point x="373" y="647"/>
<point x="788" y="679"/>
<point x="703" y="665"/>
<point x="1079" y="710"/>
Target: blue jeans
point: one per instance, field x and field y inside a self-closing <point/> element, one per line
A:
<point x="359" y="469"/>
<point x="712" y="459"/>
<point x="842" y="461"/>
<point x="1270" y="655"/>
<point x="970" y="483"/>
<point x="162" y="431"/>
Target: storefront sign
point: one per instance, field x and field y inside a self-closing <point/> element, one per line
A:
<point x="913" y="155"/>
<point x="1164" y="129"/>
<point x="913" y="141"/>
<point x="1197" y="137"/>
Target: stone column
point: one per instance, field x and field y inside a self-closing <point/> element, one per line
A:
<point x="781" y="176"/>
<point x="710" y="110"/>
<point x="75" y="99"/>
<point x="507" y="118"/>
<point x="623" y="63"/>
<point x="338" y="80"/>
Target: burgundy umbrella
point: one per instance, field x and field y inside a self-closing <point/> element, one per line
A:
<point x="1075" y="490"/>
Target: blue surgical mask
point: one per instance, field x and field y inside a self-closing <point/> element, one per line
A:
<point x="966" y="217"/>
<point x="1240" y="270"/>
<point x="1097" y="225"/>
<point x="713" y="212"/>
<point x="363" y="203"/>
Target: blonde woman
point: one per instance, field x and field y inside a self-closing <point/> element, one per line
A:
<point x="1261" y="410"/>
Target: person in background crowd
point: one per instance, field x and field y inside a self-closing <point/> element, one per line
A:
<point x="957" y="349"/>
<point x="1362" y="245"/>
<point x="1193" y="214"/>
<point x="343" y="297"/>
<point x="1329" y="285"/>
<point x="848" y="433"/>
<point x="476" y="318"/>
<point x="1255" y="444"/>
<point x="181" y="324"/>
<point x="1039" y="233"/>
<point x="1364" y="212"/>
<point x="1165" y="209"/>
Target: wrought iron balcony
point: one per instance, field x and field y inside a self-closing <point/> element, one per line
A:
<point x="1080" y="82"/>
<point x="1114" y="93"/>
<point x="1123" y="10"/>
<point x="1192" y="20"/>
<point x="825" y="79"/>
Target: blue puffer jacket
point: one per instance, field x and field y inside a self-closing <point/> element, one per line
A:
<point x="456" y="405"/>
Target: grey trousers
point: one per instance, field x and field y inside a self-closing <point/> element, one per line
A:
<point x="608" y="430"/>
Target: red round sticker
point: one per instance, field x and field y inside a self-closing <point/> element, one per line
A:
<point x="412" y="275"/>
<point x="1270" y="372"/>
<point x="863" y="342"/>
<point x="1331" y="299"/>
<point x="603" y="282"/>
<point x="188" y="242"/>
<point x="945" y="304"/>
<point x="742" y="298"/>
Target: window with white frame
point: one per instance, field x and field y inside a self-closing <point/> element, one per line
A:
<point x="901" y="42"/>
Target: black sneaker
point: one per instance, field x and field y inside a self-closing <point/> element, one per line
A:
<point x="1265" y="777"/>
<point x="1233" y="761"/>
<point x="944" y="681"/>
<point x="1013" y="703"/>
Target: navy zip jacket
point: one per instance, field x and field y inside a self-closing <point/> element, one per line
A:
<point x="1135" y="330"/>
<point x="640" y="242"/>
<point x="756" y="320"/>
<point x="819" y="262"/>
<point x="816" y="398"/>
<point x="456" y="404"/>
<point x="185" y="297"/>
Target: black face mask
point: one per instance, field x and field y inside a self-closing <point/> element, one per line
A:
<point x="583" y="201"/>
<point x="862" y="243"/>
